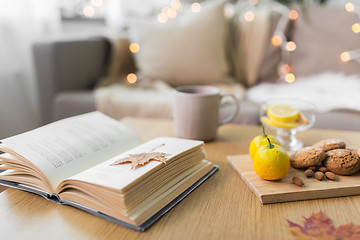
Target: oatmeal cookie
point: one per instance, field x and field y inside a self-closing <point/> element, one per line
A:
<point x="330" y="144"/>
<point x="307" y="157"/>
<point x="342" y="161"/>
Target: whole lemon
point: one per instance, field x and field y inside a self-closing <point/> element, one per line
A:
<point x="271" y="162"/>
<point x="260" y="141"/>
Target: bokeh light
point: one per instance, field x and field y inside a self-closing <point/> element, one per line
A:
<point x="290" y="78"/>
<point x="356" y="27"/>
<point x="196" y="7"/>
<point x="171" y="13"/>
<point x="176" y="4"/>
<point x="276" y="40"/>
<point x="249" y="16"/>
<point x="293" y="15"/>
<point x="162" y="18"/>
<point x="131" y="78"/>
<point x="89" y="11"/>
<point x="349" y="7"/>
<point x="134" y="47"/>
<point x="345" y="56"/>
<point x="285" y="68"/>
<point x="290" y="46"/>
<point x="165" y="10"/>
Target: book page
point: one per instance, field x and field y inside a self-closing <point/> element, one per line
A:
<point x="66" y="147"/>
<point x="120" y="176"/>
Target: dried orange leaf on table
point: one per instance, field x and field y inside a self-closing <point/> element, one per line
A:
<point x="141" y="159"/>
<point x="319" y="226"/>
<point x="348" y="231"/>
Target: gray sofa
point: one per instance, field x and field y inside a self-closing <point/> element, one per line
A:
<point x="67" y="71"/>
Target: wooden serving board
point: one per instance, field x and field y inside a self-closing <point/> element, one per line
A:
<point x="285" y="191"/>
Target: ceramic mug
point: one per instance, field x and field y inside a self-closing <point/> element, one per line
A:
<point x="196" y="112"/>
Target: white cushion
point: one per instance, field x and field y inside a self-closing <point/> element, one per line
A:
<point x="189" y="49"/>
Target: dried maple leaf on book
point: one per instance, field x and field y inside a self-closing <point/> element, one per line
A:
<point x="319" y="226"/>
<point x="141" y="159"/>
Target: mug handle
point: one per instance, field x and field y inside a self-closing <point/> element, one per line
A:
<point x="237" y="108"/>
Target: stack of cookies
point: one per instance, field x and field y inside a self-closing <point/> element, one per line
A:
<point x="327" y="155"/>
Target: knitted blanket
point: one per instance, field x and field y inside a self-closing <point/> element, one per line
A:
<point x="327" y="91"/>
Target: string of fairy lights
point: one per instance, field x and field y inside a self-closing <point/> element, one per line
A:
<point x="287" y="47"/>
<point x="350" y="55"/>
<point x="279" y="39"/>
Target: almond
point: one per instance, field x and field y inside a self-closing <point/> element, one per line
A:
<point x="298" y="181"/>
<point x="319" y="176"/>
<point x="309" y="173"/>
<point x="331" y="176"/>
<point x="323" y="169"/>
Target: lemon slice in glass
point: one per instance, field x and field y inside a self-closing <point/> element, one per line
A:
<point x="275" y="123"/>
<point x="282" y="113"/>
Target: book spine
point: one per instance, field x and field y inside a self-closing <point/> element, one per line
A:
<point x="54" y="198"/>
<point x="27" y="189"/>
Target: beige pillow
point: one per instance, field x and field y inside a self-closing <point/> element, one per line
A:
<point x="189" y="49"/>
<point x="255" y="59"/>
<point x="321" y="34"/>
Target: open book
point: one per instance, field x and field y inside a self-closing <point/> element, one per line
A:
<point x="95" y="163"/>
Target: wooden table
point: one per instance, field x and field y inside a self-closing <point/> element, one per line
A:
<point x="221" y="208"/>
